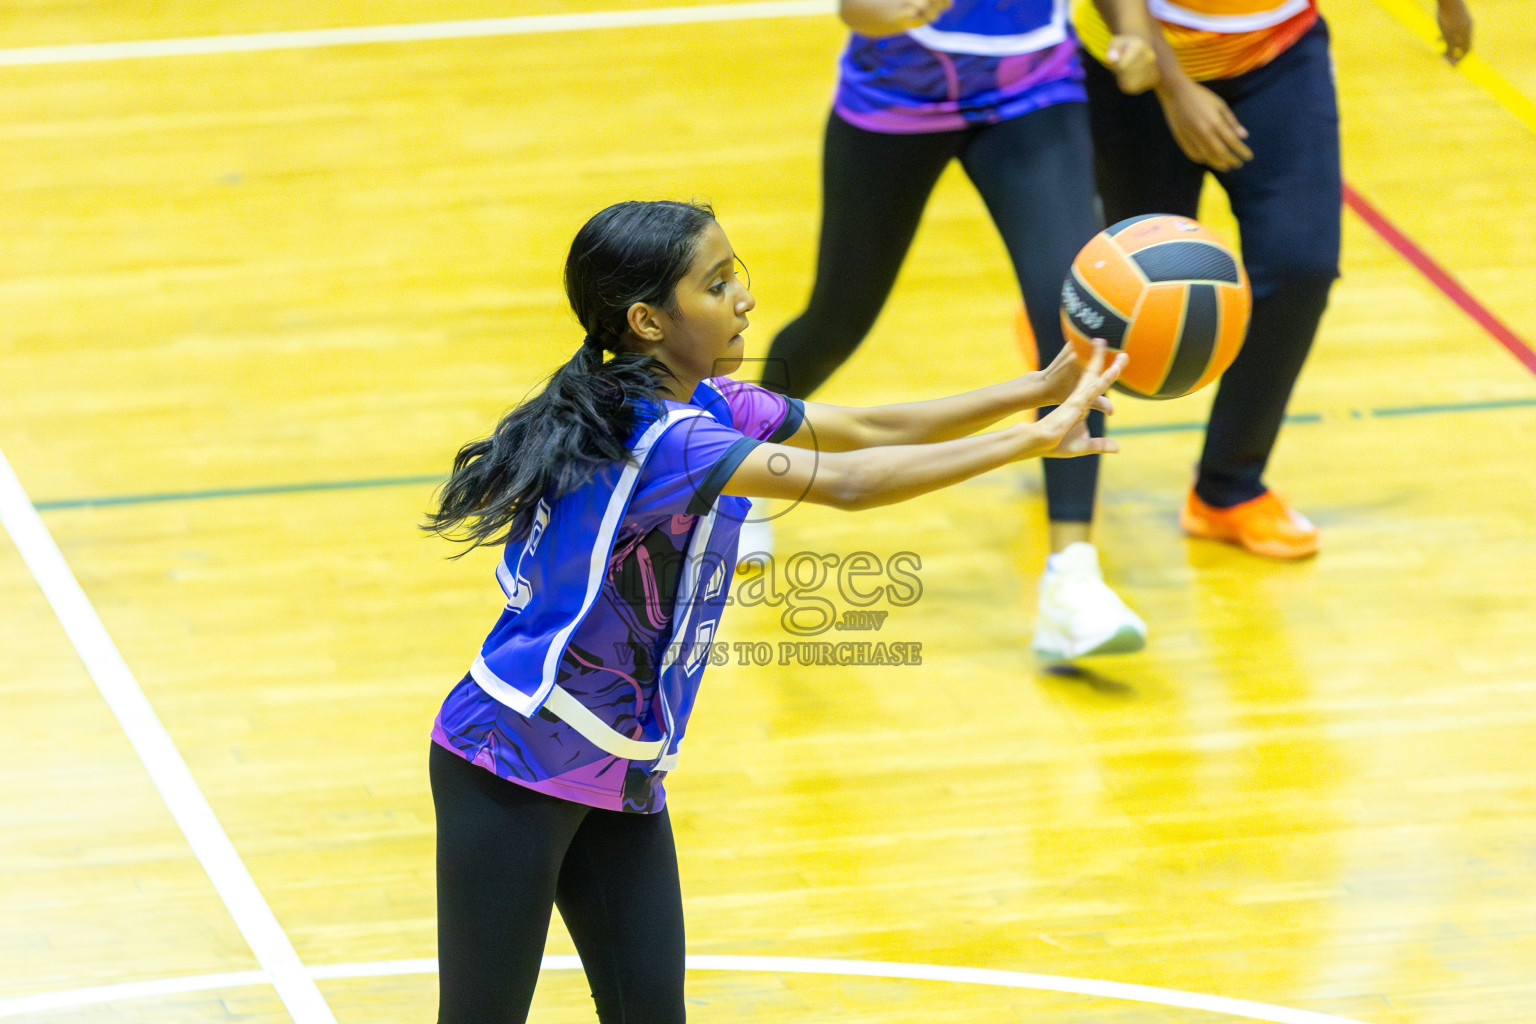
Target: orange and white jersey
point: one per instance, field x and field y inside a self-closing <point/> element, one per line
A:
<point x="1212" y="38"/>
<point x="1228" y="17"/>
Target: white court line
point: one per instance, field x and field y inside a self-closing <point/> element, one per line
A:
<point x="167" y="770"/>
<point x="47" y="1001"/>
<point x="756" y="964"/>
<point x="477" y="28"/>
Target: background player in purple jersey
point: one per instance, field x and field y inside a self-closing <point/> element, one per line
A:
<point x="617" y="492"/>
<point x="998" y="86"/>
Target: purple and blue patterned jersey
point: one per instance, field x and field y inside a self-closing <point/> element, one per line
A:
<point x="625" y="640"/>
<point x="982" y="62"/>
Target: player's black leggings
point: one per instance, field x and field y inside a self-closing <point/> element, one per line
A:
<point x="1035" y="173"/>
<point x="506" y="855"/>
<point x="1287" y="201"/>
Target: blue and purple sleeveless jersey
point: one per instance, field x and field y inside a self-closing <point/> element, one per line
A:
<point x="982" y="62"/>
<point x="572" y="677"/>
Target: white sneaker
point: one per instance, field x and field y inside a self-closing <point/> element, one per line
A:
<point x="1079" y="614"/>
<point x="755" y="546"/>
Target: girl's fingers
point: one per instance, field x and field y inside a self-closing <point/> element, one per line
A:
<point x="1105" y="376"/>
<point x="1095" y="364"/>
<point x="1093" y="382"/>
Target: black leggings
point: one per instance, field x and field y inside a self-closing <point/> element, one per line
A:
<point x="506" y="855"/>
<point x="1035" y="173"/>
<point x="1288" y="204"/>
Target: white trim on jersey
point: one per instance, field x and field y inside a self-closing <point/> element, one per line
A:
<point x="1163" y="10"/>
<point x="503" y="691"/>
<point x="1047" y="35"/>
<point x="602" y="547"/>
<point x="578" y="716"/>
<point x="682" y="645"/>
<point x="598" y="732"/>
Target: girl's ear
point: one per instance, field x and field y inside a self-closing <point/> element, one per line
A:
<point x="645" y="323"/>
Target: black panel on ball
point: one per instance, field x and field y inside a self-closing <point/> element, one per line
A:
<point x="1119" y="226"/>
<point x="1186" y="260"/>
<point x="1197" y="341"/>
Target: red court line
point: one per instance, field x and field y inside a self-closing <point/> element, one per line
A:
<point x="1438" y="276"/>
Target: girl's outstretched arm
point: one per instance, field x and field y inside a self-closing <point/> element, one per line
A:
<point x="834" y="428"/>
<point x="867" y="477"/>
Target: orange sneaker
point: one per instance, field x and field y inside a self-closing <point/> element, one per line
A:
<point x="1265" y="526"/>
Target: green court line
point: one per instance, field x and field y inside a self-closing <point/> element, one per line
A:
<point x="236" y="492"/>
<point x="1425" y="410"/>
<point x="434" y="479"/>
<point x="1180" y="428"/>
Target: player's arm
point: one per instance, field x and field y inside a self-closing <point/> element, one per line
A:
<point x="1205" y="128"/>
<point x="1202" y="124"/>
<point x="835" y="428"/>
<point x="1132" y="54"/>
<point x="868" y="477"/>
<point x="889" y="17"/>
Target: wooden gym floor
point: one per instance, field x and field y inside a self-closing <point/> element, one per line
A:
<point x="257" y="290"/>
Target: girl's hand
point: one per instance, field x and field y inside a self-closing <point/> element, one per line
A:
<point x="1062" y="433"/>
<point x="1203" y="125"/>
<point x="1057" y="381"/>
<point x="1456" y="28"/>
<point x="1134" y="63"/>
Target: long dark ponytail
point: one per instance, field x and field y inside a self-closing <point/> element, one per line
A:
<point x="552" y="443"/>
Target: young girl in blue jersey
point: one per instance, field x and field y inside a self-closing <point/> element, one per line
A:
<point x="618" y="493"/>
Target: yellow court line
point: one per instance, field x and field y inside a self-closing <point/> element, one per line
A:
<point x="1472" y="66"/>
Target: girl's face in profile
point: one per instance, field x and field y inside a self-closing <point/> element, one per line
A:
<point x="702" y="331"/>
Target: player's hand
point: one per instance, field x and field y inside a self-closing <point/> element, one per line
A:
<point x="1134" y="63"/>
<point x="890" y="17"/>
<point x="1203" y="125"/>
<point x="916" y="13"/>
<point x="1455" y="28"/>
<point x="1063" y="433"/>
<point x="1055" y="383"/>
